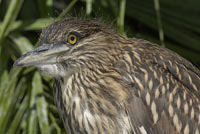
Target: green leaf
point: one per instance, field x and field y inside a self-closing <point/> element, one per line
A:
<point x="30" y="24"/>
<point x="4" y="80"/>
<point x="41" y="104"/>
<point x="6" y="100"/>
<point x="67" y="9"/>
<point x="11" y="15"/>
<point x="32" y="123"/>
<point x="120" y="20"/>
<point x="45" y="7"/>
<point x="18" y="117"/>
<point x="23" y="44"/>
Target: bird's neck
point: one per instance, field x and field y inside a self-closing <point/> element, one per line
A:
<point x="91" y="83"/>
<point x="91" y="90"/>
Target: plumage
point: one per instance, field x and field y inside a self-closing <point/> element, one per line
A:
<point x="108" y="83"/>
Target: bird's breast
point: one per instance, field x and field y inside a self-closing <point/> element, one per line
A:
<point x="84" y="111"/>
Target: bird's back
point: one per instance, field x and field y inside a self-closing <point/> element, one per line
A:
<point x="165" y="89"/>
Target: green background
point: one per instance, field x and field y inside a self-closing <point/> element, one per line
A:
<point x="26" y="103"/>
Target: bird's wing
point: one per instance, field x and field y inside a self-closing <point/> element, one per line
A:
<point x="142" y="122"/>
<point x="165" y="90"/>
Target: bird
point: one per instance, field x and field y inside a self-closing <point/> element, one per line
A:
<point x="107" y="83"/>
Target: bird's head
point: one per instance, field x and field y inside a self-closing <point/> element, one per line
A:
<point x="71" y="44"/>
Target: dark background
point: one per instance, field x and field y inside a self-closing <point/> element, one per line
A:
<point x="26" y="103"/>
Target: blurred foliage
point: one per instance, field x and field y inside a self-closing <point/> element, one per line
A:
<point x="26" y="102"/>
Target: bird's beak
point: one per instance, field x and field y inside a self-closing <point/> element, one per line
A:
<point x="44" y="54"/>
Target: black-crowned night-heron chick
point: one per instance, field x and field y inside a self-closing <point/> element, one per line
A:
<point x="107" y="83"/>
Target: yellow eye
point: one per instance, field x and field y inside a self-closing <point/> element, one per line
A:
<point x="72" y="39"/>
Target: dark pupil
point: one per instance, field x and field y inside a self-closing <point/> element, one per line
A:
<point x="72" y="38"/>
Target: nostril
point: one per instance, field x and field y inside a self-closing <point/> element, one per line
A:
<point x="42" y="48"/>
